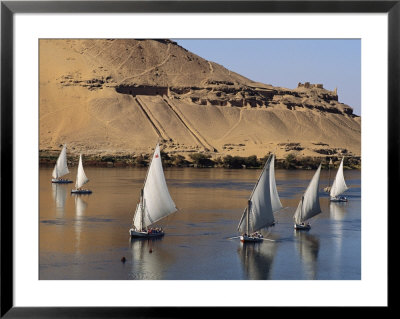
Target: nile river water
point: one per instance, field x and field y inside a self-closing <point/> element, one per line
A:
<point x="85" y="236"/>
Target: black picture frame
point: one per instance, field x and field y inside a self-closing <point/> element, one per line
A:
<point x="9" y="8"/>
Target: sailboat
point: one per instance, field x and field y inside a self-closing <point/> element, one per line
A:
<point x="339" y="186"/>
<point x="155" y="201"/>
<point x="309" y="204"/>
<point x="61" y="167"/>
<point x="328" y="188"/>
<point x="81" y="179"/>
<point x="259" y="211"/>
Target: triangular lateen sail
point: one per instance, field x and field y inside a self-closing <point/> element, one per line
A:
<point x="81" y="178"/>
<point x="309" y="204"/>
<point x="157" y="200"/>
<point x="61" y="168"/>
<point x="275" y="201"/>
<point x="339" y="185"/>
<point x="260" y="214"/>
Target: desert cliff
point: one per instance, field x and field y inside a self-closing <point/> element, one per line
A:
<point x="120" y="97"/>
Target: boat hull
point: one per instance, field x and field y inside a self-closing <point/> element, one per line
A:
<point x="338" y="199"/>
<point x="139" y="234"/>
<point x="250" y="239"/>
<point x="61" y="181"/>
<point x="302" y="227"/>
<point x="81" y="191"/>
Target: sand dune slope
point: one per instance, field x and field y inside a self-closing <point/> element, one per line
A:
<point x="119" y="97"/>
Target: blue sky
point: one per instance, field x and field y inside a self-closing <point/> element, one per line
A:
<point x="283" y="62"/>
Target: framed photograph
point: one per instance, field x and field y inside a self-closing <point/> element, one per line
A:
<point x="161" y="156"/>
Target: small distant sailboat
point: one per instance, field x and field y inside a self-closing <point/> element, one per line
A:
<point x="309" y="204"/>
<point x="259" y="211"/>
<point x="61" y="167"/>
<point x="339" y="186"/>
<point x="81" y="179"/>
<point x="328" y="188"/>
<point x="155" y="201"/>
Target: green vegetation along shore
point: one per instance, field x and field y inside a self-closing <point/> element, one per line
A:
<point x="200" y="160"/>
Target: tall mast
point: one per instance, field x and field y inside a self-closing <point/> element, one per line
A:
<point x="142" y="210"/>
<point x="248" y="216"/>
<point x="262" y="172"/>
<point x="301" y="210"/>
<point x="142" y="192"/>
<point x="329" y="166"/>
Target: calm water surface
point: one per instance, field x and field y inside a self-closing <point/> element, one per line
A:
<point x="85" y="236"/>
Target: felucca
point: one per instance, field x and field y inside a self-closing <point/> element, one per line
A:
<point x="61" y="167"/>
<point x="81" y="179"/>
<point x="155" y="201"/>
<point x="328" y="188"/>
<point x="339" y="186"/>
<point x="259" y="212"/>
<point x="309" y="204"/>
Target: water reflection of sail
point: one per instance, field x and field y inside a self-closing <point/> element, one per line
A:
<point x="257" y="260"/>
<point x="337" y="210"/>
<point x="147" y="264"/>
<point x="308" y="247"/>
<point x="59" y="196"/>
<point x="80" y="207"/>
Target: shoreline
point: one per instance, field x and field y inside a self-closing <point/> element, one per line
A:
<point x="198" y="160"/>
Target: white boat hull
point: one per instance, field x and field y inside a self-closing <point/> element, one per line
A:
<point x="61" y="181"/>
<point x="250" y="239"/>
<point x="140" y="234"/>
<point x="81" y="191"/>
<point x="302" y="227"/>
<point x="338" y="199"/>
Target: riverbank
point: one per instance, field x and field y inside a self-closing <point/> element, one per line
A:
<point x="200" y="160"/>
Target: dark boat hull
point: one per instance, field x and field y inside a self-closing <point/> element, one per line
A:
<point x="137" y="234"/>
<point x="81" y="191"/>
<point x="61" y="181"/>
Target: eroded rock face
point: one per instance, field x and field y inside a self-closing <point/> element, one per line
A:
<point x="132" y="67"/>
<point x="121" y="96"/>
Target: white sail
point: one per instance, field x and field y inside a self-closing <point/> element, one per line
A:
<point x="156" y="198"/>
<point x="260" y="214"/>
<point x="275" y="201"/>
<point x="137" y="217"/>
<point x="309" y="204"/>
<point x="339" y="185"/>
<point x="81" y="178"/>
<point x="61" y="168"/>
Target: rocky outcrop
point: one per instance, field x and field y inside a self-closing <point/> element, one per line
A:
<point x="121" y="96"/>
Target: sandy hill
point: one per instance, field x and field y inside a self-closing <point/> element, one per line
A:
<point x="119" y="97"/>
